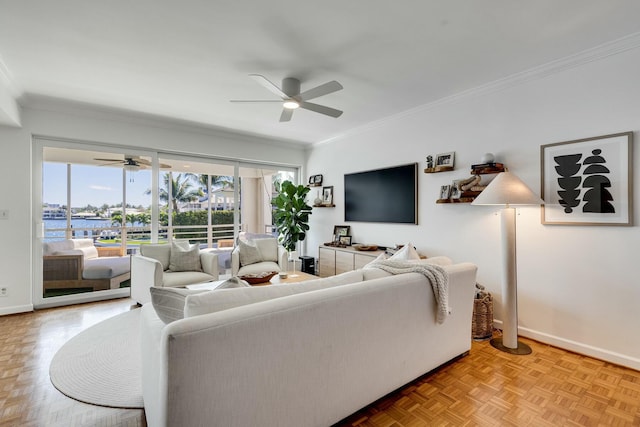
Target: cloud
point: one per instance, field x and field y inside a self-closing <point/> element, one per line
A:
<point x="100" y="188"/>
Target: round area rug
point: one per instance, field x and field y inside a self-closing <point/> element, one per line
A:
<point x="101" y="365"/>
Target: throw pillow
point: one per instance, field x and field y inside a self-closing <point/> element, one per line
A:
<point x="380" y="257"/>
<point x="408" y="252"/>
<point x="184" y="259"/>
<point x="249" y="253"/>
<point x="169" y="302"/>
<point x="234" y="282"/>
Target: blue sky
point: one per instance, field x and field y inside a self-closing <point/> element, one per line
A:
<point x="93" y="185"/>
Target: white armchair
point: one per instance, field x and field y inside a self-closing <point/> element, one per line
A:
<point x="154" y="267"/>
<point x="258" y="256"/>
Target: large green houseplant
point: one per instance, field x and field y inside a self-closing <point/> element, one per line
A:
<point x="291" y="213"/>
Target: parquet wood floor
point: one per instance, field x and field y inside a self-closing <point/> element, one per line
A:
<point x="550" y="387"/>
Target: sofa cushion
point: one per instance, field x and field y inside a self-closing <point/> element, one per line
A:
<point x="106" y="267"/>
<point x="260" y="267"/>
<point x="169" y="302"/>
<point x="224" y="299"/>
<point x="184" y="278"/>
<point x="184" y="259"/>
<point x="234" y="282"/>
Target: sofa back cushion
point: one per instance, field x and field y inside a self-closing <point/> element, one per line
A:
<point x="161" y="253"/>
<point x="224" y="299"/>
<point x="50" y="248"/>
<point x="82" y="247"/>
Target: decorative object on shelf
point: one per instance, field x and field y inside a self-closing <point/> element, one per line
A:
<point x="429" y="162"/>
<point x="291" y="213"/>
<point x="508" y="190"/>
<point x="315" y="180"/>
<point x="327" y="196"/>
<point x="365" y="247"/>
<point x="253" y="279"/>
<point x="445" y="191"/>
<point x="469" y="183"/>
<point x="345" y="240"/>
<point x="588" y="181"/>
<point x="487" y="158"/>
<point x="318" y="200"/>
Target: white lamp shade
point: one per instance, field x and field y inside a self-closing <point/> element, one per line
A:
<point x="507" y="189"/>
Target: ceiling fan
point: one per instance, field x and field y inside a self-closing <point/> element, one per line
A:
<point x="291" y="98"/>
<point x="130" y="163"/>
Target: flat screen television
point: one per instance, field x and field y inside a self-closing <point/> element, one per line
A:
<point x="387" y="195"/>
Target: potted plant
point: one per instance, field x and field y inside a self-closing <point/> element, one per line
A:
<point x="291" y="213"/>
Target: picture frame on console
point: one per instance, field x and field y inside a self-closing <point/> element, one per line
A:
<point x="341" y="231"/>
<point x="345" y="240"/>
<point x="588" y="181"/>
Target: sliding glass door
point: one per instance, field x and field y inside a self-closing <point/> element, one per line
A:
<point x="116" y="199"/>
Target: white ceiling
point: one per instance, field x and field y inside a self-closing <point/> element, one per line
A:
<point x="187" y="59"/>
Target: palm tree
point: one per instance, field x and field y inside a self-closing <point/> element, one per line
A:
<point x="181" y="190"/>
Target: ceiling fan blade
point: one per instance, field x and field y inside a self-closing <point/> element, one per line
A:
<point x="325" y="89"/>
<point x="256" y="100"/>
<point x="262" y="80"/>
<point x="286" y="114"/>
<point x="108" y="160"/>
<point x="111" y="163"/>
<point x="328" y="111"/>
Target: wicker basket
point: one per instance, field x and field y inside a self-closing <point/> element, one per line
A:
<point x="482" y="327"/>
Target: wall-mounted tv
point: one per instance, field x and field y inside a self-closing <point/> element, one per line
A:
<point x="382" y="195"/>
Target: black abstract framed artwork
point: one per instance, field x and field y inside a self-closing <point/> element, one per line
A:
<point x="588" y="181"/>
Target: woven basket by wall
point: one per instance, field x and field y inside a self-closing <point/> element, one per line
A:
<point x="482" y="326"/>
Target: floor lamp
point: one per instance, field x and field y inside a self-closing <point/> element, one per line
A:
<point x="508" y="190"/>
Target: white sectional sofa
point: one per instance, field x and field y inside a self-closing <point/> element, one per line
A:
<point x="305" y="354"/>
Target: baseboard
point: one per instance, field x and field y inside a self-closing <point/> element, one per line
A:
<point x="577" y="347"/>
<point x="16" y="309"/>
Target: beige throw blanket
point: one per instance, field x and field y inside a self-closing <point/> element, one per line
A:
<point x="435" y="275"/>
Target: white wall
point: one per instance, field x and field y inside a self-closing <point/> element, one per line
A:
<point x="68" y="122"/>
<point x="579" y="287"/>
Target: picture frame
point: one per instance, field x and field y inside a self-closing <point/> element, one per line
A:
<point x="327" y="196"/>
<point x="341" y="231"/>
<point x="588" y="181"/>
<point x="445" y="191"/>
<point x="455" y="193"/>
<point x="345" y="240"/>
<point x="315" y="180"/>
<point x="446" y="159"/>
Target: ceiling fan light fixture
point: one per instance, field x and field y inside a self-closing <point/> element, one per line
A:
<point x="291" y="104"/>
<point x="131" y="167"/>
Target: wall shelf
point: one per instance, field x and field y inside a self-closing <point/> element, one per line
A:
<point x="324" y="206"/>
<point x="439" y="169"/>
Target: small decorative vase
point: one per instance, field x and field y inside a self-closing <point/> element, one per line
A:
<point x="317" y="201"/>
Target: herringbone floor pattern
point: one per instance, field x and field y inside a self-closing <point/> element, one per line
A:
<point x="550" y="387"/>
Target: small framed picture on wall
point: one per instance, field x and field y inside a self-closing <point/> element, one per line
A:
<point x="327" y="196"/>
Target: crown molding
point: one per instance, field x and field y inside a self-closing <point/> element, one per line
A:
<point x="621" y="45"/>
